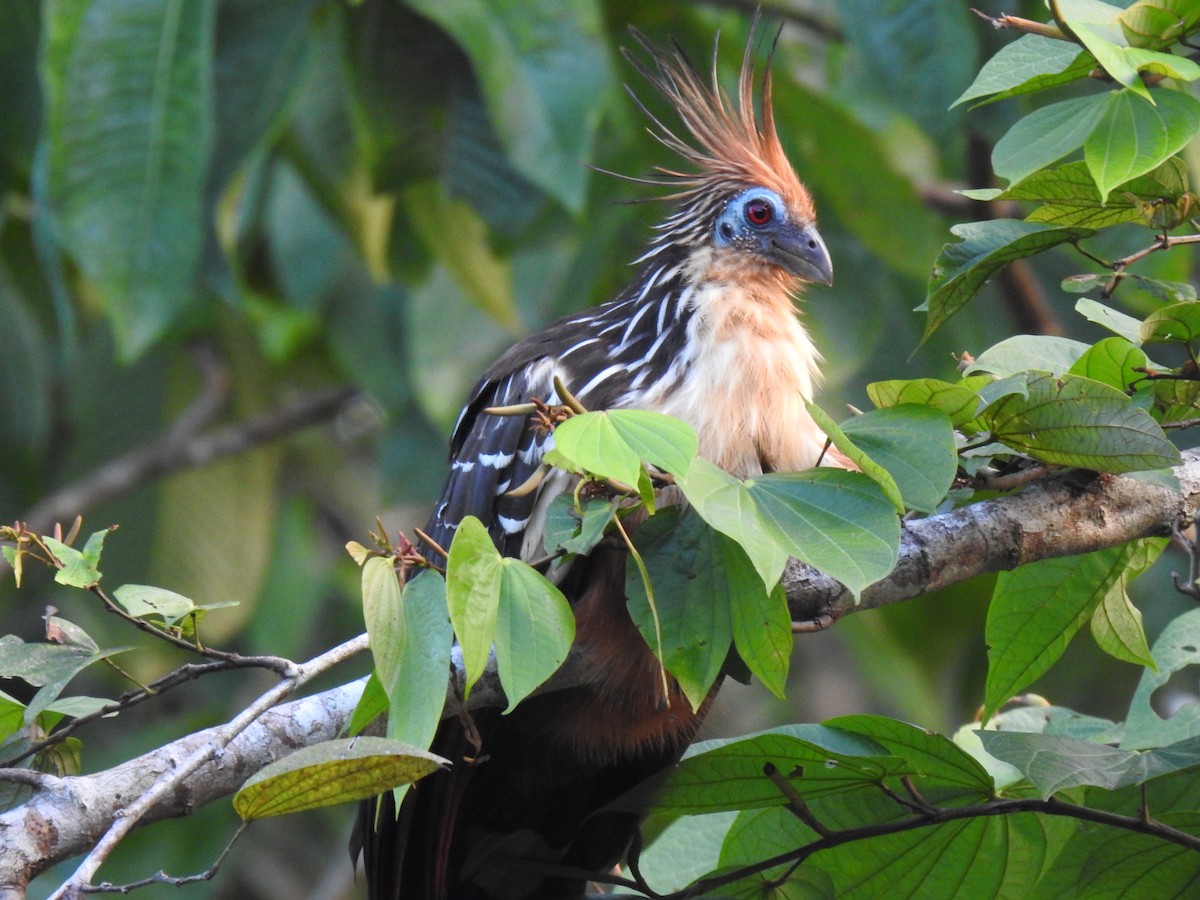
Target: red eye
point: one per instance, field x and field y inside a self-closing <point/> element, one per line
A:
<point x="758" y="213"/>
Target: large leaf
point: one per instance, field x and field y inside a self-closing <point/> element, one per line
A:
<point x="959" y="401"/>
<point x="1053" y="764"/>
<point x="128" y="133"/>
<point x="963" y="268"/>
<point x="1037" y="609"/>
<point x="1113" y="361"/>
<point x="726" y="504"/>
<point x="1179" y="323"/>
<point x="838" y="522"/>
<point x="732" y="776"/>
<point x="614" y="443"/>
<point x="1176" y="648"/>
<point x="48" y="667"/>
<point x="860" y="460"/>
<point x="332" y="772"/>
<point x="545" y="78"/>
<point x="1075" y="421"/>
<point x="1047" y="135"/>
<point x="416" y="689"/>
<point x="690" y="614"/>
<point x="1134" y="135"/>
<point x="991" y="856"/>
<point x="933" y="755"/>
<point x="473" y="594"/>
<point x="915" y="444"/>
<point x="1023" y="353"/>
<point x="534" y="630"/>
<point x="1030" y="63"/>
<point x="1119" y="323"/>
<point x="1069" y="195"/>
<point x="500" y="599"/>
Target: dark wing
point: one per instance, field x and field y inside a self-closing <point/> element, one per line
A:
<point x="491" y="455"/>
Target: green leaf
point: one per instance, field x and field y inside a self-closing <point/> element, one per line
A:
<point x="993" y="856"/>
<point x="1023" y="353"/>
<point x="1069" y="195"/>
<point x="725" y="503"/>
<point x="838" y="522"/>
<point x="1112" y="361"/>
<point x="697" y="575"/>
<point x="1176" y="648"/>
<point x="761" y="624"/>
<point x="1117" y="322"/>
<point x="1178" y="323"/>
<point x="963" y="268"/>
<point x="48" y="667"/>
<point x="1053" y="764"/>
<point x="1134" y="135"/>
<point x="915" y="444"/>
<point x="128" y="137"/>
<point x="568" y="530"/>
<point x="142" y="600"/>
<point x="1074" y="421"/>
<point x="614" y="443"/>
<point x="861" y="460"/>
<point x="383" y="615"/>
<point x="1030" y="63"/>
<point x="480" y="273"/>
<point x="1047" y="135"/>
<point x="758" y="834"/>
<point x="1117" y="628"/>
<point x="1158" y="23"/>
<point x="545" y="79"/>
<point x="371" y="705"/>
<point x="80" y="567"/>
<point x="416" y="688"/>
<point x="332" y="772"/>
<point x="931" y="755"/>
<point x="473" y="573"/>
<point x="534" y="630"/>
<point x="731" y="776"/>
<point x="958" y="401"/>
<point x="1036" y="610"/>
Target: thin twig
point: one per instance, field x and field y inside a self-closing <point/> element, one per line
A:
<point x="986" y="481"/>
<point x="161" y="877"/>
<point x="129" y="817"/>
<point x="795" y="802"/>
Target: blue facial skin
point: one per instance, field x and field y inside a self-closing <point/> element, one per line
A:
<point x="757" y="220"/>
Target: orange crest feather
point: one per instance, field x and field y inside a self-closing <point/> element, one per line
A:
<point x="735" y="145"/>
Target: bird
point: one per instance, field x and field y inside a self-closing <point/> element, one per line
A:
<point x="706" y="331"/>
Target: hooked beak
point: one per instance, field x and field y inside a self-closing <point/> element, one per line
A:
<point x="800" y="250"/>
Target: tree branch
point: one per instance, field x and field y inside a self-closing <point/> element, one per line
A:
<point x="90" y="813"/>
<point x="182" y="447"/>
<point x="1067" y="514"/>
<point x="1064" y="515"/>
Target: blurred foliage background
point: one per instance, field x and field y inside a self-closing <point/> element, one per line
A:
<point x="217" y="210"/>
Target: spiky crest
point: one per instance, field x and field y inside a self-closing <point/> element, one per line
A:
<point x="735" y="147"/>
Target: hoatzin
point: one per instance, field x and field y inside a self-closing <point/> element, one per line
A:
<point x="706" y="332"/>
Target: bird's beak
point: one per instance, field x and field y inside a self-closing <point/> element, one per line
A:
<point x="800" y="250"/>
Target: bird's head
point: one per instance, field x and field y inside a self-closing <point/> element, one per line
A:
<point x="758" y="222"/>
<point x="742" y="201"/>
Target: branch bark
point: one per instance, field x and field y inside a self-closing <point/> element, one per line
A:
<point x="1068" y="514"/>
